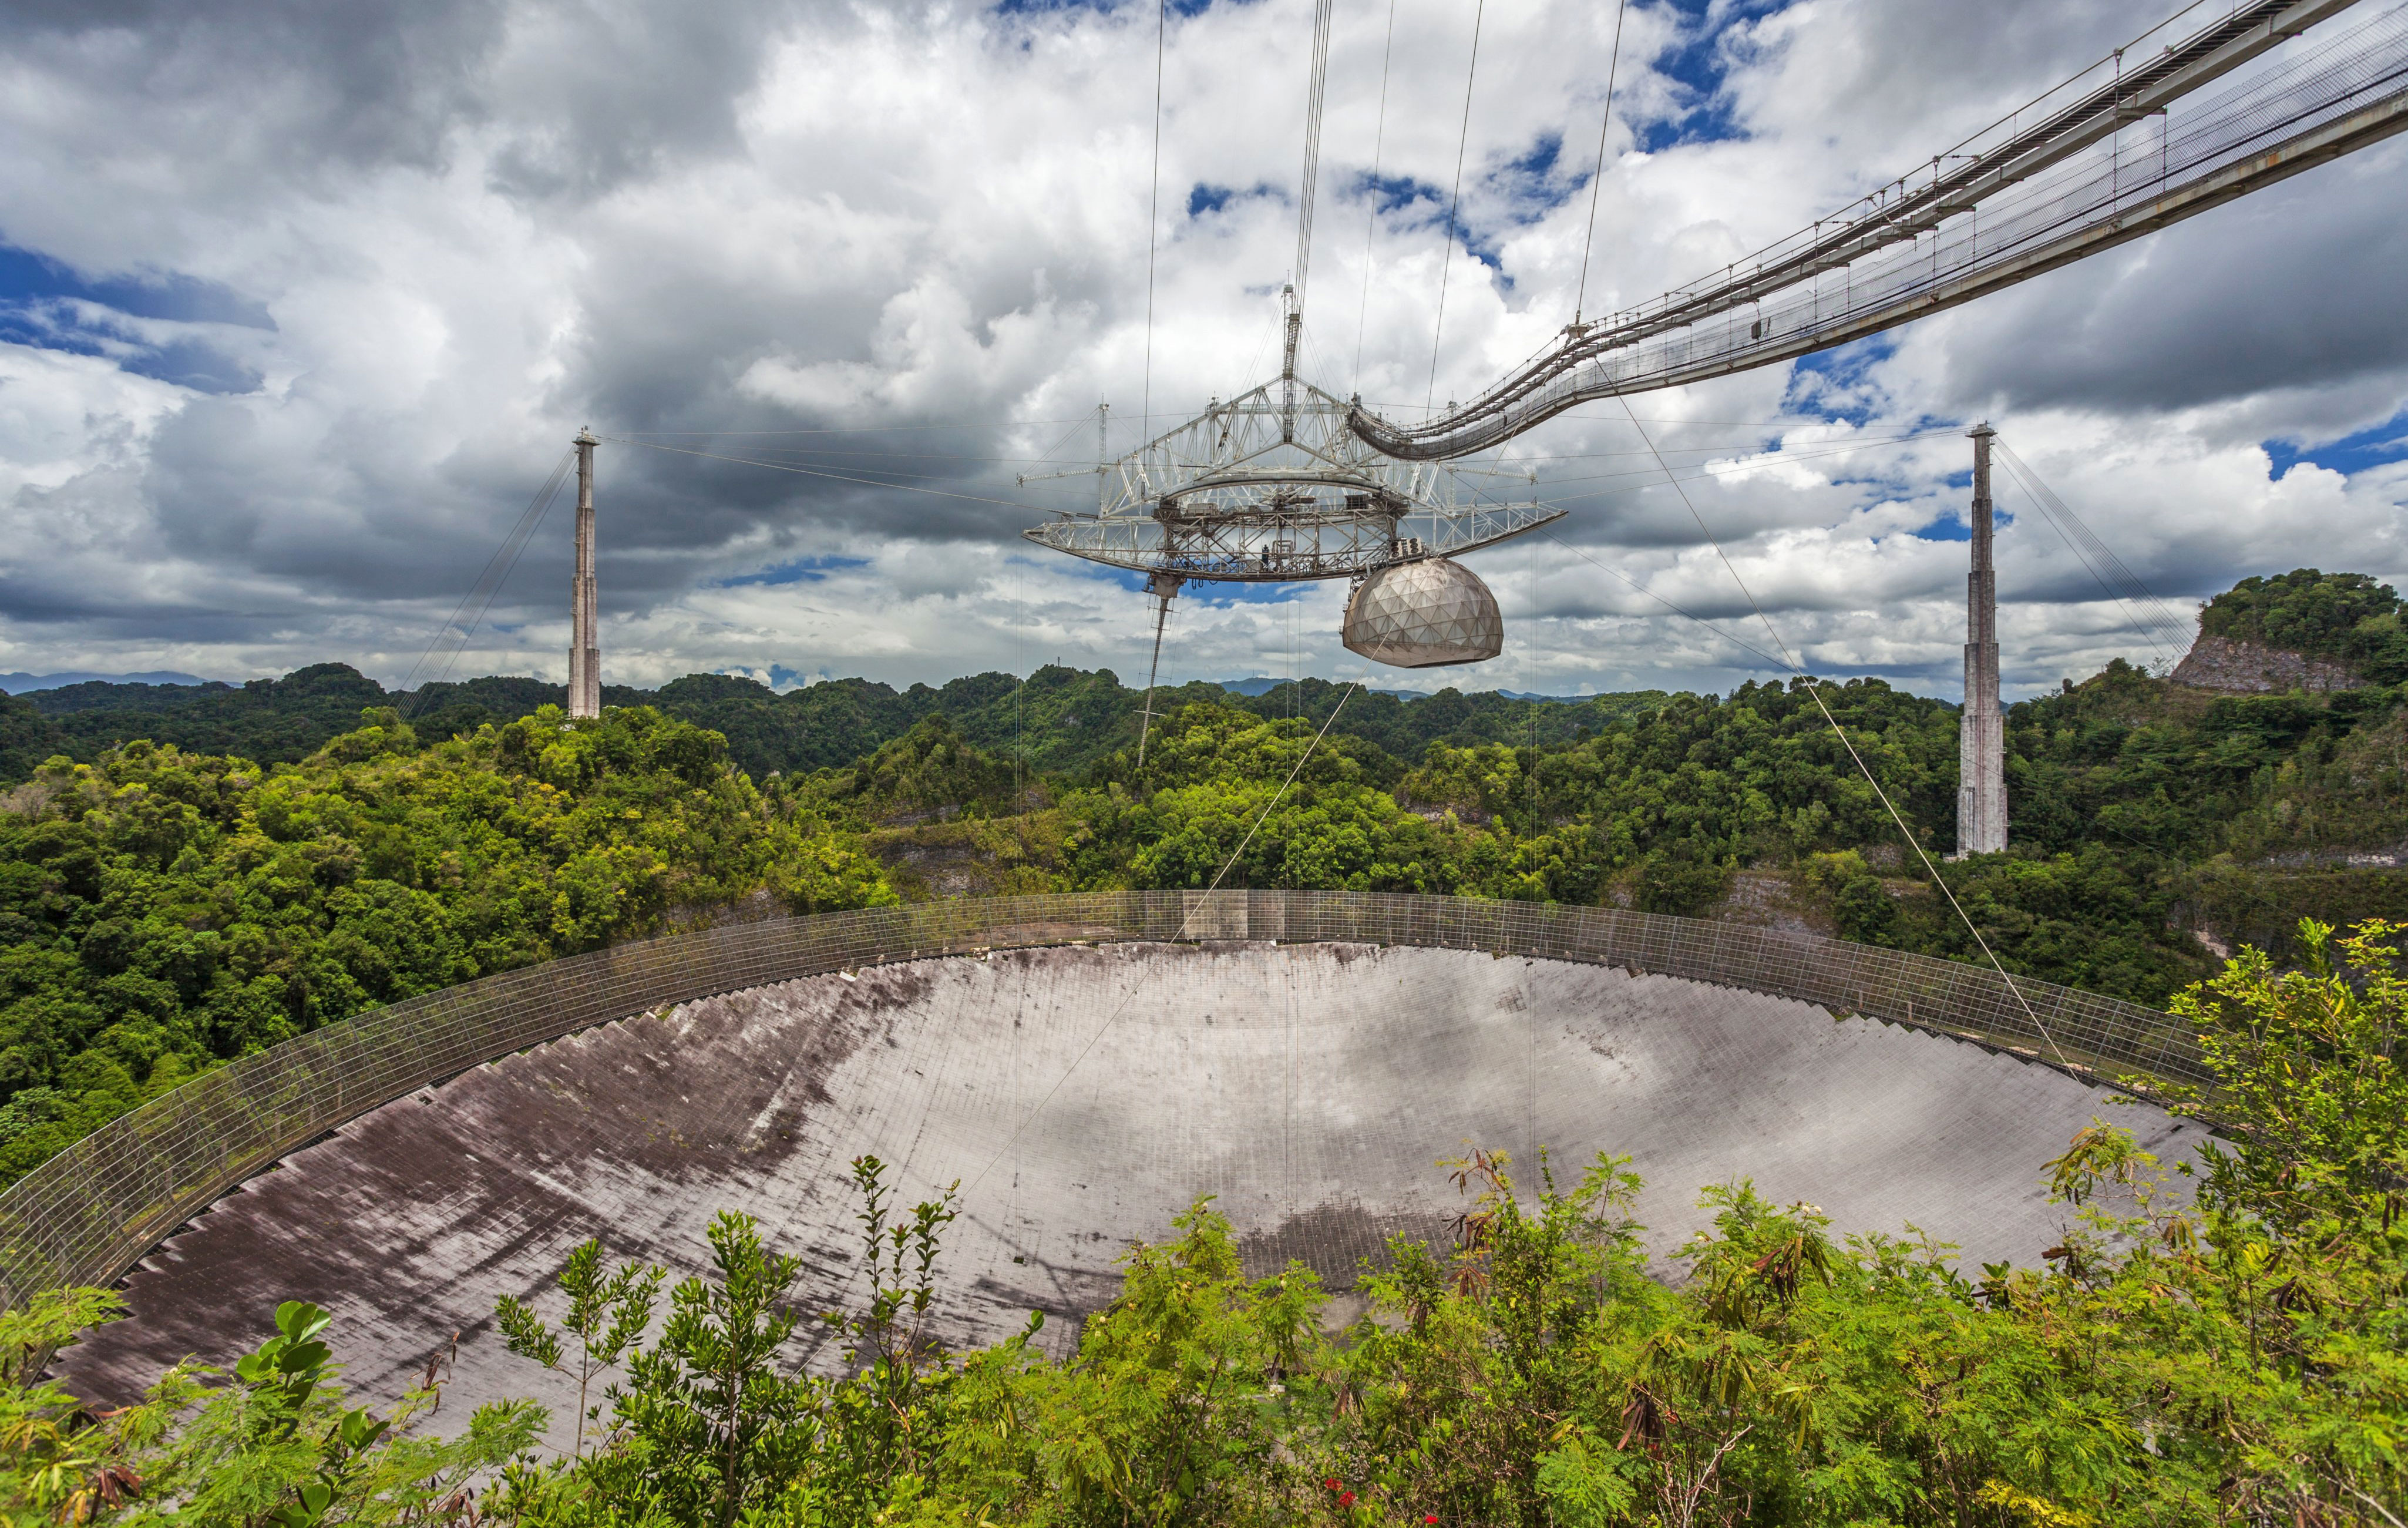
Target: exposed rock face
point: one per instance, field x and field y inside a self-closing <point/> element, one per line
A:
<point x="2240" y="668"/>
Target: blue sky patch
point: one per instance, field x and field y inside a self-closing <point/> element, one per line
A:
<point x="2354" y="452"/>
<point x="1392" y="193"/>
<point x="1203" y="197"/>
<point x="1213" y="592"/>
<point x="1536" y="182"/>
<point x="1218" y="594"/>
<point x="1835" y="385"/>
<point x="1698" y="63"/>
<point x="1046" y="8"/>
<point x="800" y="570"/>
<point x="26" y="277"/>
<point x="46" y="305"/>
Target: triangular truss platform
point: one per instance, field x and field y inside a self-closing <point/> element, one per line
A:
<point x="1272" y="487"/>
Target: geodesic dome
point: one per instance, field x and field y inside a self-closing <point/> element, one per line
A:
<point x="1423" y="614"/>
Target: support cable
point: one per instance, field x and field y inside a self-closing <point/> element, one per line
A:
<point x="1019" y="691"/>
<point x="1130" y="995"/>
<point x="1710" y="470"/>
<point x="1371" y="213"/>
<point x="1153" y="214"/>
<point x="2158" y="623"/>
<point x="1315" y="90"/>
<point x="814" y="473"/>
<point x="1815" y="689"/>
<point x="1606" y="567"/>
<point x="1153" y="670"/>
<point x="470" y="615"/>
<point x="1596" y="182"/>
<point x="1454" y="204"/>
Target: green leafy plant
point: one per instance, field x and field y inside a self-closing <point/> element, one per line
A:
<point x="607" y="1314"/>
<point x="271" y="1445"/>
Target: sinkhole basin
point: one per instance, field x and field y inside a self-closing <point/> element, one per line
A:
<point x="1082" y="1096"/>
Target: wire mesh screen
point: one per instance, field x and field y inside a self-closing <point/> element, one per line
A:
<point x="90" y="1213"/>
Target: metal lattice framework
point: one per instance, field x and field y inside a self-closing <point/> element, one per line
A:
<point x="91" y="1212"/>
<point x="1273" y="486"/>
<point x="2166" y="129"/>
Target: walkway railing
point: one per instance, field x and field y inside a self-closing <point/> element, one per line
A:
<point x="86" y="1215"/>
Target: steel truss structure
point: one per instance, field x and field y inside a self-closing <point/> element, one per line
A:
<point x="1273" y="486"/>
<point x="2135" y="143"/>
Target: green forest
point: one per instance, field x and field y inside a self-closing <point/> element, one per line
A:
<point x="191" y="873"/>
<point x="255" y="861"/>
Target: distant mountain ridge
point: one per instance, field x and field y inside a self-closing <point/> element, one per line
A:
<point x="1061" y="720"/>
<point x="18" y="683"/>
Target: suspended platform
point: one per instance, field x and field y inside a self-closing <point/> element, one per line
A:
<point x="1272" y="487"/>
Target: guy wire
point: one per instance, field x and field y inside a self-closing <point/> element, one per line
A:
<point x="814" y="473"/>
<point x="1596" y="182"/>
<point x="1371" y="212"/>
<point x="1454" y="205"/>
<point x="1813" y="688"/>
<point x="1315" y="90"/>
<point x="2157" y="625"/>
<point x="1152" y="216"/>
<point x="1129" y="995"/>
<point x="479" y="598"/>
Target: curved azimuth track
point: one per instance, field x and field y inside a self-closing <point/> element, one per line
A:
<point x="2165" y="129"/>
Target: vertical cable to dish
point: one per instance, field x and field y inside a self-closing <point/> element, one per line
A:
<point x="1453" y="205"/>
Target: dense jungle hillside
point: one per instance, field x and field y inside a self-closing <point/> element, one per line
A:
<point x="1061" y="719"/>
<point x="254" y="861"/>
<point x="2218" y="1347"/>
<point x="187" y="875"/>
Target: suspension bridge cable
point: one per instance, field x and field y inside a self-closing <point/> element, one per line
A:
<point x="1315" y="90"/>
<point x="1815" y="689"/>
<point x="1154" y="210"/>
<point x="1371" y="212"/>
<point x="1454" y="204"/>
<point x="2137" y="620"/>
<point x="1596" y="182"/>
<point x="2157" y="623"/>
<point x="1709" y="470"/>
<point x="1607" y="568"/>
<point x="1051" y="452"/>
<point x="479" y="598"/>
<point x="1129" y="994"/>
<point x="851" y="429"/>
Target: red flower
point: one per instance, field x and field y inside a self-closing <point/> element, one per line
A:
<point x="1346" y="1498"/>
<point x="1430" y="1517"/>
<point x="1331" y="1484"/>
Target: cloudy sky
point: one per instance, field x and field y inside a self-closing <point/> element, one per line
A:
<point x="300" y="303"/>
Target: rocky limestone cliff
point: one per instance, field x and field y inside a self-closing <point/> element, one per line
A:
<point x="2244" y="667"/>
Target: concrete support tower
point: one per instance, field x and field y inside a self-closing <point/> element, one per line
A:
<point x="1982" y="751"/>
<point x="584" y="646"/>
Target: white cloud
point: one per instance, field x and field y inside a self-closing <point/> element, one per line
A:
<point x="897" y="249"/>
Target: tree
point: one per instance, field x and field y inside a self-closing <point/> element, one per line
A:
<point x="271" y="1446"/>
<point x="606" y="1315"/>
